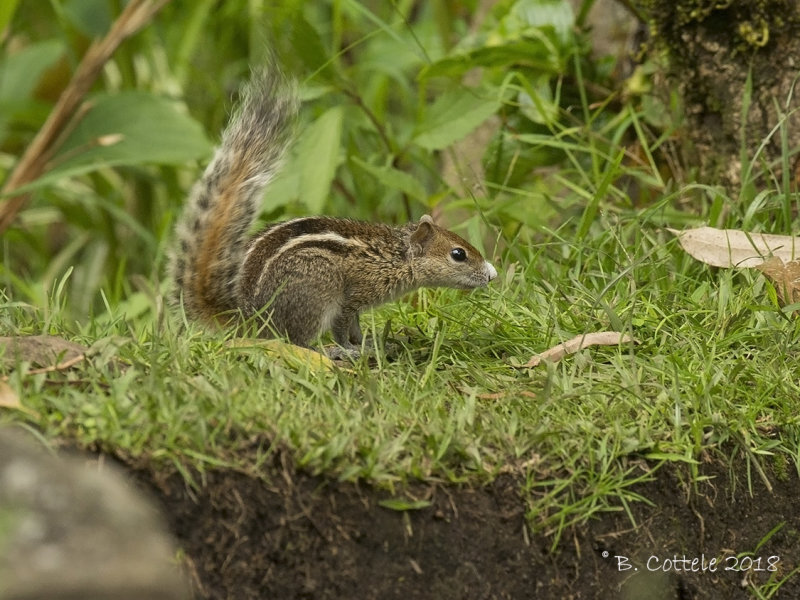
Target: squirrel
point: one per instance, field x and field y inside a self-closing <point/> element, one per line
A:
<point x="308" y="275"/>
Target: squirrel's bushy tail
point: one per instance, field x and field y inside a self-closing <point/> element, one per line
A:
<point x="212" y="232"/>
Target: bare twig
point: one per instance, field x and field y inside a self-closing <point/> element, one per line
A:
<point x="137" y="14"/>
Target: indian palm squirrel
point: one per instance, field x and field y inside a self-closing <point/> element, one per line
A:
<point x="302" y="277"/>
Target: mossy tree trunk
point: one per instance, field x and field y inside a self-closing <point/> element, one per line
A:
<point x="713" y="46"/>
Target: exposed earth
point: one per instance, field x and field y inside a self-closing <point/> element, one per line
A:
<point x="291" y="535"/>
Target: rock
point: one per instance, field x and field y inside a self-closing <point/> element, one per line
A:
<point x="71" y="528"/>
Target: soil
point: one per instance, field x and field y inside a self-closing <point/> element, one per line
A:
<point x="286" y="534"/>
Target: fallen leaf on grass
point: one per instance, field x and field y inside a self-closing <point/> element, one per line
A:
<point x="46" y="352"/>
<point x="8" y="397"/>
<point x="470" y="391"/>
<point x="785" y="276"/>
<point x="494" y="395"/>
<point x="285" y="351"/>
<point x="579" y="342"/>
<point x="734" y="248"/>
<point x="491" y="396"/>
<point x="773" y="255"/>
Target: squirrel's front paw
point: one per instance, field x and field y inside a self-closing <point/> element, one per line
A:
<point x="350" y="353"/>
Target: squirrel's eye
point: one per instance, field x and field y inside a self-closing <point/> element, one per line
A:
<point x="458" y="254"/>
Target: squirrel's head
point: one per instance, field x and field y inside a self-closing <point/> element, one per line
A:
<point x="440" y="258"/>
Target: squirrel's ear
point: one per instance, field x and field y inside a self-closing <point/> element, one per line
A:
<point x="422" y="235"/>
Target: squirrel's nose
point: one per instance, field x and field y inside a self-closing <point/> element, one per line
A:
<point x="490" y="270"/>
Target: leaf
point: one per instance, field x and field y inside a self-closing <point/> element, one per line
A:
<point x="7" y="8"/>
<point x="555" y="15"/>
<point x="91" y="17"/>
<point x="310" y="48"/>
<point x="469" y="391"/>
<point x="402" y="504"/>
<point x="785" y="276"/>
<point x="579" y="342"/>
<point x="48" y="352"/>
<point x="319" y="157"/>
<point x="536" y="102"/>
<point x="130" y="128"/>
<point x="734" y="248"/>
<point x="20" y="72"/>
<point x="453" y="116"/>
<point x="289" y="353"/>
<point x="670" y="456"/>
<point x="534" y="54"/>
<point x="538" y="34"/>
<point x="10" y="400"/>
<point x="394" y="179"/>
<point x="8" y="397"/>
<point x="284" y="189"/>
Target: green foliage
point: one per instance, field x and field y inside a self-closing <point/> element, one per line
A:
<point x="452" y="117"/>
<point x="389" y="92"/>
<point x="505" y="124"/>
<point x="128" y="128"/>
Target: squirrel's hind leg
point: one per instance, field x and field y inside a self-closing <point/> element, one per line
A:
<point x="346" y="328"/>
<point x="347" y="334"/>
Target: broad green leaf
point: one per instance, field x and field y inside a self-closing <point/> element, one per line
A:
<point x="131" y="128"/>
<point x="128" y="128"/>
<point x="319" y="157"/>
<point x="453" y="116"/>
<point x="90" y="17"/>
<point x="394" y="179"/>
<point x="20" y="72"/>
<point x="534" y="33"/>
<point x="536" y="102"/>
<point x="310" y="48"/>
<point x="284" y="188"/>
<point x="555" y="15"/>
<point x="7" y="9"/>
<point x="533" y="53"/>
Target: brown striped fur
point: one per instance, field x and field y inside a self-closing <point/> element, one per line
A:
<point x="301" y="277"/>
<point x="212" y="230"/>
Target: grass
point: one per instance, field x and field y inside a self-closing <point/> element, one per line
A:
<point x="712" y="373"/>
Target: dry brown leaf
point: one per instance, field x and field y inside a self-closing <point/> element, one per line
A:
<point x="470" y="391"/>
<point x="47" y="352"/>
<point x="734" y="248"/>
<point x="785" y="276"/>
<point x="491" y="396"/>
<point x="8" y="397"/>
<point x="579" y="342"/>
